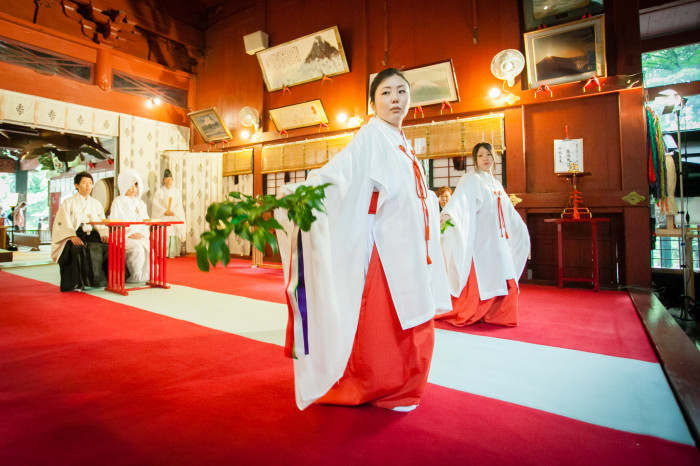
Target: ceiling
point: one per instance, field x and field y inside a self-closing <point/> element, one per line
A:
<point x="201" y="13"/>
<point x="669" y="18"/>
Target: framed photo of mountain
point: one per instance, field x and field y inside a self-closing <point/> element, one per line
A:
<point x="430" y="84"/>
<point x="566" y="53"/>
<point x="303" y="60"/>
<point x="209" y="125"/>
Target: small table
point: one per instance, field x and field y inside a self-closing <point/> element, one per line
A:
<point x="117" y="250"/>
<point x="594" y="242"/>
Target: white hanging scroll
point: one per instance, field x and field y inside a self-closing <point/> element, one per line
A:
<point x="568" y="155"/>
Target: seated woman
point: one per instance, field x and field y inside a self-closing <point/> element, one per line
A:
<point x="78" y="247"/>
<point x="130" y="208"/>
<point x="486" y="249"/>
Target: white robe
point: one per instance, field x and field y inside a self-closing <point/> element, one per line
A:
<point x="72" y="212"/>
<point x="159" y="206"/>
<point x="336" y="248"/>
<point x="132" y="209"/>
<point x="476" y="235"/>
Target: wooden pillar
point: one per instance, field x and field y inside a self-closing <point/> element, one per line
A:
<point x="103" y="69"/>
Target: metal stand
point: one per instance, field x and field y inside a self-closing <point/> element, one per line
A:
<point x="686" y="255"/>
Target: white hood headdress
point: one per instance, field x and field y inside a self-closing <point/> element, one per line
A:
<point x="127" y="178"/>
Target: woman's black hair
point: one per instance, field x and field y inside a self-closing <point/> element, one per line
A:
<point x="80" y="176"/>
<point x="475" y="151"/>
<point x="381" y="76"/>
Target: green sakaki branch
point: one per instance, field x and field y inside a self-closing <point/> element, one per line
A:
<point x="249" y="217"/>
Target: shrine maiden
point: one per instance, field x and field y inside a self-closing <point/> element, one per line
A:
<point x="486" y="249"/>
<point x="128" y="207"/>
<point x="77" y="246"/>
<point x="167" y="206"/>
<point x="366" y="281"/>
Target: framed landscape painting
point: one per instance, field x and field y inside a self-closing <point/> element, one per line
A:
<point x="562" y="54"/>
<point x="309" y="58"/>
<point x="538" y="13"/>
<point x="209" y="125"/>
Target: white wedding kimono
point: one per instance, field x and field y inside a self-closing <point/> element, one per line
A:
<point x="338" y="246"/>
<point x="72" y="212"/>
<point x="479" y="234"/>
<point x="132" y="209"/>
<point x="163" y="198"/>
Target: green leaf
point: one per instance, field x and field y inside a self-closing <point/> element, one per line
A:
<point x="445" y="225"/>
<point x="225" y="254"/>
<point x="202" y="261"/>
<point x="215" y="251"/>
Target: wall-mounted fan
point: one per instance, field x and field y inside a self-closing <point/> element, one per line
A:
<point x="248" y="116"/>
<point x="507" y="64"/>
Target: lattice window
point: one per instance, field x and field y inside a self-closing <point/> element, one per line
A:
<point x="667" y="253"/>
<point x="45" y="62"/>
<point x="123" y="82"/>
<point x="274" y="181"/>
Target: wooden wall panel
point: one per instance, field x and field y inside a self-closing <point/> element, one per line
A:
<point x="594" y="119"/>
<point x="26" y="81"/>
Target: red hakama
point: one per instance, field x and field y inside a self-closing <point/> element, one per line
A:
<point x="468" y="309"/>
<point x="388" y="366"/>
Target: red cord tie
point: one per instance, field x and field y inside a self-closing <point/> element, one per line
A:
<point x="543" y="88"/>
<point x="501" y="218"/>
<point x="445" y="104"/>
<point x="422" y="193"/>
<point x="415" y="114"/>
<point x="591" y="80"/>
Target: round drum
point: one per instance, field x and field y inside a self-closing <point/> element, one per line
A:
<point x="103" y="191"/>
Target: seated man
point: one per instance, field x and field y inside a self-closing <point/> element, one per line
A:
<point x="128" y="207"/>
<point x="78" y="247"/>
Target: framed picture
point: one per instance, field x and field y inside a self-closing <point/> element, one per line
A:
<point x="309" y="113"/>
<point x="568" y="154"/>
<point x="552" y="12"/>
<point x="430" y="84"/>
<point x="209" y="125"/>
<point x="303" y="60"/>
<point x="562" y="54"/>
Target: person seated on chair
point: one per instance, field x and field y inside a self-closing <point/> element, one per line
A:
<point x="77" y="246"/>
<point x="167" y="206"/>
<point x="128" y="207"/>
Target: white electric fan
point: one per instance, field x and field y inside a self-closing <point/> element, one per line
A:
<point x="507" y="64"/>
<point x="248" y="116"/>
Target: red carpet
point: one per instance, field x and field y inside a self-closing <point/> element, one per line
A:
<point x="87" y="381"/>
<point x="237" y="278"/>
<point x="549" y="316"/>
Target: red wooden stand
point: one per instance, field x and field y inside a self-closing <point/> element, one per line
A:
<point x="594" y="242"/>
<point x="117" y="251"/>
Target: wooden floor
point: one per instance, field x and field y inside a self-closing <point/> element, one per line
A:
<point x="678" y="355"/>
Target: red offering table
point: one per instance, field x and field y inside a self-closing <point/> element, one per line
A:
<point x="117" y="249"/>
<point x="594" y="243"/>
